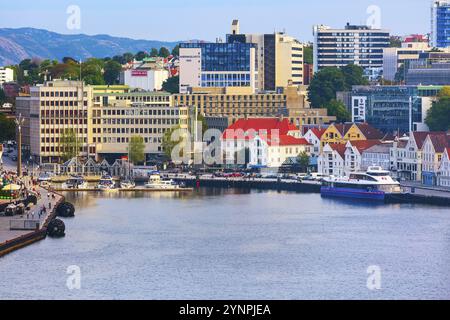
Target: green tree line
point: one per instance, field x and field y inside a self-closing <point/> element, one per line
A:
<point x="94" y="71"/>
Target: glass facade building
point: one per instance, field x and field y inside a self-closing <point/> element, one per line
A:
<point x="441" y="24"/>
<point x="388" y="108"/>
<point x="230" y="64"/>
<point x="432" y="68"/>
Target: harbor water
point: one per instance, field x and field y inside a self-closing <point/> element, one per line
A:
<point x="236" y="244"/>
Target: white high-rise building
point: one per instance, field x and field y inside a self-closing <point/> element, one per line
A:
<point x="359" y="45"/>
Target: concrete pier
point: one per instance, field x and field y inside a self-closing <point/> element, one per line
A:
<point x="11" y="240"/>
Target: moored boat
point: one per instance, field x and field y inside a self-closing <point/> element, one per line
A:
<point x="156" y="182"/>
<point x="127" y="184"/>
<point x="75" y="182"/>
<point x="375" y="184"/>
<point x="106" y="183"/>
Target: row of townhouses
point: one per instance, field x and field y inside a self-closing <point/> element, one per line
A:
<point x="421" y="157"/>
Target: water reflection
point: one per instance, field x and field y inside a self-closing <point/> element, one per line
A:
<point x="236" y="244"/>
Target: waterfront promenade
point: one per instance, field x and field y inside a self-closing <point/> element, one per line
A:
<point x="8" y="236"/>
<point x="423" y="190"/>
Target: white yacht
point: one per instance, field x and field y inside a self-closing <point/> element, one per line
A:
<point x="155" y="182"/>
<point x="106" y="183"/>
<point x="374" y="184"/>
<point x="127" y="184"/>
<point x="75" y="182"/>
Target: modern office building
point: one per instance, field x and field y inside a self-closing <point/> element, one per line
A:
<point x="205" y="65"/>
<point x="393" y="58"/>
<point x="280" y="60"/>
<point x="104" y="118"/>
<point x="6" y="75"/>
<point x="235" y="104"/>
<point x="440" y="24"/>
<point x="263" y="62"/>
<point x="359" y="45"/>
<point x="391" y="109"/>
<point x="432" y="68"/>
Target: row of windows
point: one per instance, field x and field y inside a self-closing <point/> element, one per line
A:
<point x="140" y="112"/>
<point x="65" y="94"/>
<point x="57" y="103"/>
<point x="139" y="121"/>
<point x="64" y="121"/>
<point x="124" y="140"/>
<point x="233" y="97"/>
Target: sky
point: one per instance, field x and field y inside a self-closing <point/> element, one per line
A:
<point x="174" y="20"/>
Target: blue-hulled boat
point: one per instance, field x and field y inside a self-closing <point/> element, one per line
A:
<point x="374" y="184"/>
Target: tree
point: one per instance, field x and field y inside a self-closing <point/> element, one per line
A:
<point x="445" y="92"/>
<point x="164" y="52"/>
<point x="303" y="161"/>
<point x="154" y="52"/>
<point x="176" y="51"/>
<point x="339" y="110"/>
<point x="7" y="128"/>
<point x="395" y="42"/>
<point x="112" y="72"/>
<point x="201" y="118"/>
<point x="172" y="85"/>
<point x="308" y="54"/>
<point x="324" y="86"/>
<point x="167" y="143"/>
<point x="328" y="81"/>
<point x="438" y="117"/>
<point x="141" y="55"/>
<point x="136" y="150"/>
<point x="69" y="144"/>
<point x="354" y="76"/>
<point x="2" y="97"/>
<point x="92" y="71"/>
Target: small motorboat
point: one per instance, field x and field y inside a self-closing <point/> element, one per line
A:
<point x="106" y="183"/>
<point x="127" y="184"/>
<point x="156" y="182"/>
<point x="75" y="182"/>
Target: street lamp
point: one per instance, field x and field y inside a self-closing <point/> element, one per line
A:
<point x="19" y="123"/>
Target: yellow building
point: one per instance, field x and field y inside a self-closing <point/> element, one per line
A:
<point x="342" y="133"/>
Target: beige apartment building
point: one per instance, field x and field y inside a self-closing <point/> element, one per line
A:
<point x="280" y="58"/>
<point x="234" y="104"/>
<point x="104" y="119"/>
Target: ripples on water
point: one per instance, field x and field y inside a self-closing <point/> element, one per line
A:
<point x="236" y="244"/>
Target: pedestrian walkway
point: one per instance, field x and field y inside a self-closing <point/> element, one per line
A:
<point x="48" y="200"/>
<point x="421" y="189"/>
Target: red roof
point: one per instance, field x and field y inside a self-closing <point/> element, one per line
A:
<point x="448" y="152"/>
<point x="285" y="140"/>
<point x="318" y="132"/>
<point x="365" y="144"/>
<point x="440" y="141"/>
<point x="370" y="132"/>
<point x="246" y="128"/>
<point x="339" y="148"/>
<point x="420" y="137"/>
<point x="366" y="129"/>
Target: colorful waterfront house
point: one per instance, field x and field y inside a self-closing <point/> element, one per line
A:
<point x="444" y="170"/>
<point x="313" y="136"/>
<point x="331" y="160"/>
<point x="274" y="151"/>
<point x="236" y="138"/>
<point x="377" y="155"/>
<point x="432" y="153"/>
<point x="406" y="155"/>
<point x="342" y="133"/>
<point x="353" y="154"/>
